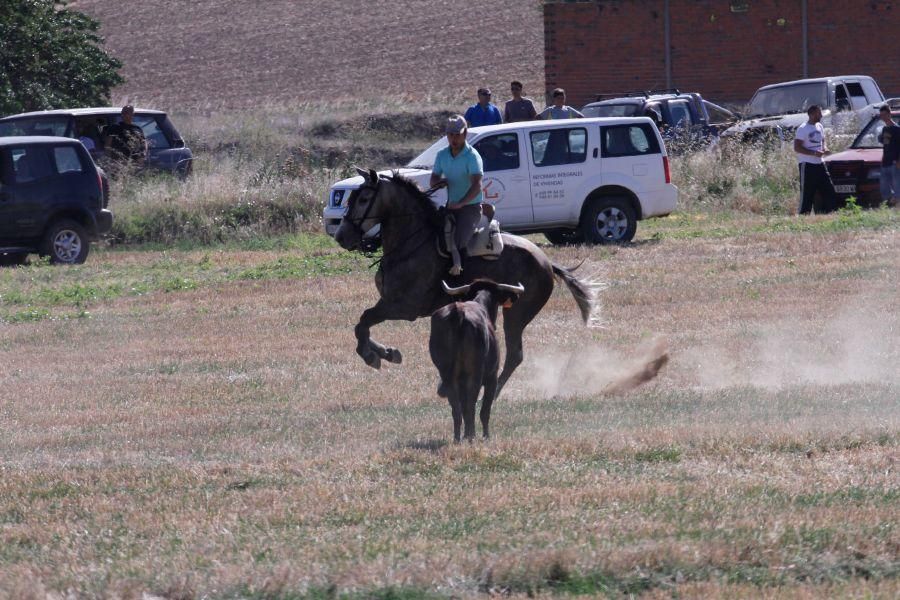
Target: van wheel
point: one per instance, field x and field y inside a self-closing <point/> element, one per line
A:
<point x="609" y="220"/>
<point x="66" y="243"/>
<point x="564" y="237"/>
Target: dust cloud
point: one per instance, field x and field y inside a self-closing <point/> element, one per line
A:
<point x="594" y="371"/>
<point x="854" y="346"/>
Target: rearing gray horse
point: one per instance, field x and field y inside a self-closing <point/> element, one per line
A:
<point x="411" y="270"/>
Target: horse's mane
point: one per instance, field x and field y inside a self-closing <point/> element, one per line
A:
<point x="413" y="190"/>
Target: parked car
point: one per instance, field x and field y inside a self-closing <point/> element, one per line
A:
<point x="51" y="200"/>
<point x="168" y="152"/>
<point x="857" y="171"/>
<point x="777" y="110"/>
<point x="686" y="119"/>
<point x="575" y="180"/>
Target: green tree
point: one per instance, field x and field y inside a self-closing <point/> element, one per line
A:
<point x="51" y="57"/>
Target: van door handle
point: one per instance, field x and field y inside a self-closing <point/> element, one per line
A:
<point x="595" y="153"/>
<point x="518" y="179"/>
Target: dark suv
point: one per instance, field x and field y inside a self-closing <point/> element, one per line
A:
<point x="685" y="120"/>
<point x="51" y="200"/>
<point x="167" y="153"/>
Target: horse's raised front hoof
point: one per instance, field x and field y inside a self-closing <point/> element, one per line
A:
<point x="373" y="360"/>
<point x="393" y="355"/>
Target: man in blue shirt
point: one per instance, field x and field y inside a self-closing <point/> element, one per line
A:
<point x="459" y="168"/>
<point x="483" y="113"/>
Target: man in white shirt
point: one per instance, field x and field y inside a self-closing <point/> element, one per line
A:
<point x="809" y="144"/>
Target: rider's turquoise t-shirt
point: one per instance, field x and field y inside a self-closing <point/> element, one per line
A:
<point x="459" y="170"/>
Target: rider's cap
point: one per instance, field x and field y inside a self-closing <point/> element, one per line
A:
<point x="456" y="124"/>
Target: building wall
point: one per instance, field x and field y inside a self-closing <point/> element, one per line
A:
<point x="723" y="49"/>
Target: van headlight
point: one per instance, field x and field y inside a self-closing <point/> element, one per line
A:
<point x="874" y="173"/>
<point x="337" y="196"/>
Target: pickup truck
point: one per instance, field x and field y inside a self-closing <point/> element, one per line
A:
<point x="777" y="110"/>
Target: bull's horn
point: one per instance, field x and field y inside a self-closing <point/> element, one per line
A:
<point x="513" y="289"/>
<point x="457" y="291"/>
<point x="363" y="172"/>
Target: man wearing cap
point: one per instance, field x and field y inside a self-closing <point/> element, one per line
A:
<point x="459" y="168"/>
<point x="483" y="113"/>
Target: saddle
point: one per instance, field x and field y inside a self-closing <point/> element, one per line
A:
<point x="486" y="243"/>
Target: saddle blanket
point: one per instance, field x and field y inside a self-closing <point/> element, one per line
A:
<point x="487" y="242"/>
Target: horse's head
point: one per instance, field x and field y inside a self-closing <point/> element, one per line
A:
<point x="362" y="213"/>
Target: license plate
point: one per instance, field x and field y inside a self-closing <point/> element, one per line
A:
<point x="845" y="189"/>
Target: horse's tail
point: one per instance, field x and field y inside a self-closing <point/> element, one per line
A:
<point x="583" y="294"/>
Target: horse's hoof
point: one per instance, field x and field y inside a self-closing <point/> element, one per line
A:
<point x="373" y="360"/>
<point x="442" y="390"/>
<point x="394" y="356"/>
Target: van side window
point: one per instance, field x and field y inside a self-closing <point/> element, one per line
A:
<point x="67" y="160"/>
<point x="499" y="152"/>
<point x="628" y="140"/>
<point x="30" y="164"/>
<point x="559" y="146"/>
<point x="154" y="134"/>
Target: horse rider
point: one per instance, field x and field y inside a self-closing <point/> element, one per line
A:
<point x="460" y="169"/>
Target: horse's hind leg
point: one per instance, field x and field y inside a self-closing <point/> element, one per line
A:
<point x="514" y="354"/>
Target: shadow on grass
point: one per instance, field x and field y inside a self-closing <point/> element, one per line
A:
<point x="432" y="445"/>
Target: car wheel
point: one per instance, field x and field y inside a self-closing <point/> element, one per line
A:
<point x="66" y="243"/>
<point x="609" y="220"/>
<point x="12" y="259"/>
<point x="564" y="237"/>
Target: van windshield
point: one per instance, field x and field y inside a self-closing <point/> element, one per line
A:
<point x="425" y="161"/>
<point x="788" y="99"/>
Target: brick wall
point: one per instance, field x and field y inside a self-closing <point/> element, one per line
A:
<point x="607" y="46"/>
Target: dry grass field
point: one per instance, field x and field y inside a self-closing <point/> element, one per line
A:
<point x="195" y="424"/>
<point x="241" y="54"/>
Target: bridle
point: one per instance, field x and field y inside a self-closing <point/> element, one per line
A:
<point x="357" y="222"/>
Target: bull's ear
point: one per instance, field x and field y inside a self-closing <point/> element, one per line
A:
<point x="363" y="172"/>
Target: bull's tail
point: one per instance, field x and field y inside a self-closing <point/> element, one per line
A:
<point x="582" y="292"/>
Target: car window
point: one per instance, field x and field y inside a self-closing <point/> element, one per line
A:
<point x="499" y="152"/>
<point x="67" y="160"/>
<point x="559" y="146"/>
<point x="788" y="99"/>
<point x="857" y="95"/>
<point x="681" y="113"/>
<point x="30" y="163"/>
<point x="628" y="140"/>
<point x="868" y="137"/>
<point x="841" y="101"/>
<point x="873" y="94"/>
<point x="611" y="110"/>
<point x="52" y="126"/>
<point x="717" y="114"/>
<point x="152" y="131"/>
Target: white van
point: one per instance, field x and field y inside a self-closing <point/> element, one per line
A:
<point x="573" y="180"/>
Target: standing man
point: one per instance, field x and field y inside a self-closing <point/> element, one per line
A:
<point x="559" y="110"/>
<point x="519" y="108"/>
<point x="890" y="160"/>
<point x="459" y="168"/>
<point x="483" y="113"/>
<point x="125" y="141"/>
<point x="809" y="144"/>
